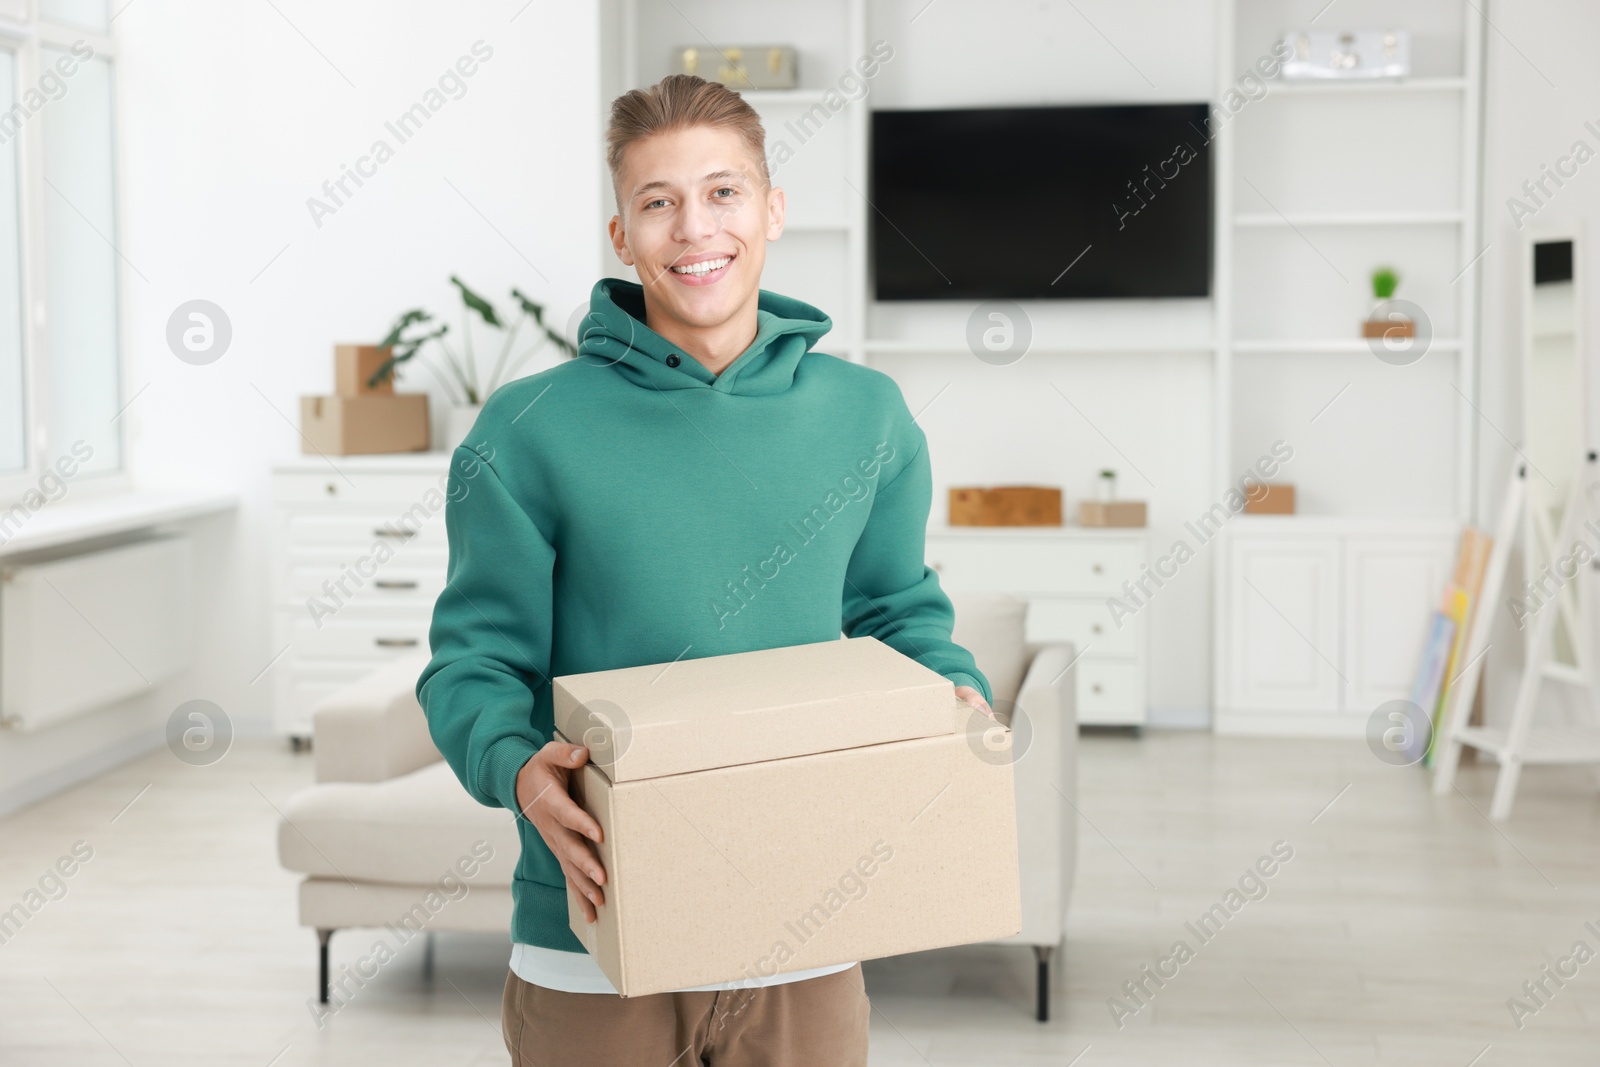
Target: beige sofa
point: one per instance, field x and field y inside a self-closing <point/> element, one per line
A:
<point x="387" y="838"/>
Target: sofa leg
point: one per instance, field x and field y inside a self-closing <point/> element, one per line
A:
<point x="427" y="956"/>
<point x="323" y="937"/>
<point x="1042" y="955"/>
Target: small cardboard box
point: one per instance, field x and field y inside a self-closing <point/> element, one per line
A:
<point x="353" y="365"/>
<point x="1111" y="513"/>
<point x="355" y="425"/>
<point x="1006" y="505"/>
<point x="1270" y="498"/>
<point x="791" y="808"/>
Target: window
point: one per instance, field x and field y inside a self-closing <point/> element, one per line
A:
<point x="60" y="332"/>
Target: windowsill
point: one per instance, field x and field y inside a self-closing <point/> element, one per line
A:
<point x="62" y="522"/>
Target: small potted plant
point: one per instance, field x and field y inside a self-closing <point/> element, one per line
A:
<point x="1107" y="486"/>
<point x="462" y="385"/>
<point x="1378" y="323"/>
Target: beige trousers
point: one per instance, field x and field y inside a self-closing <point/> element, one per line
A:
<point x="817" y="1022"/>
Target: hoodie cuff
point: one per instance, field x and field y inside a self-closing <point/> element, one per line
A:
<point x="497" y="774"/>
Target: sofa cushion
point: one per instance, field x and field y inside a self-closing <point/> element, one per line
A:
<point x="992" y="627"/>
<point x="409" y="830"/>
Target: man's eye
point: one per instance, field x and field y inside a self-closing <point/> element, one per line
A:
<point x="728" y="189"/>
<point x="653" y="203"/>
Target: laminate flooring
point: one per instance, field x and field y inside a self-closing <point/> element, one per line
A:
<point x="1396" y="932"/>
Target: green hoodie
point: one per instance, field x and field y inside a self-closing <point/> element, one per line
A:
<point x="629" y="507"/>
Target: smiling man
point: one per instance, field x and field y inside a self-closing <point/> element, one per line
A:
<point x="698" y="482"/>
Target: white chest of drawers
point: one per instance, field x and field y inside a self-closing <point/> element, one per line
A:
<point x="359" y="558"/>
<point x="1066" y="574"/>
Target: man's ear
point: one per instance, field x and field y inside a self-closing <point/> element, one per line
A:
<point x="775" y="209"/>
<point x="619" y="239"/>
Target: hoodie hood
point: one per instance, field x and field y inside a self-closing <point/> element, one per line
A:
<point x="614" y="334"/>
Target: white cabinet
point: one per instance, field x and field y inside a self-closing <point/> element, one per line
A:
<point x="359" y="560"/>
<point x="1323" y="620"/>
<point x="1285" y="634"/>
<point x="1067" y="575"/>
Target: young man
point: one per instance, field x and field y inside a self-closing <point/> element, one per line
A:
<point x="698" y="482"/>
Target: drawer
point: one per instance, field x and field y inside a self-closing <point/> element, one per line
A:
<point x="392" y="492"/>
<point x="1086" y="623"/>
<point x="352" y="636"/>
<point x="1031" y="565"/>
<point x="1110" y="692"/>
<point x="355" y="533"/>
<point x="412" y="578"/>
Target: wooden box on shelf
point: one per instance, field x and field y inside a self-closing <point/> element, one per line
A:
<point x="1006" y="505"/>
<point x="1121" y="513"/>
<point x="1397" y="327"/>
<point x="1270" y="498"/>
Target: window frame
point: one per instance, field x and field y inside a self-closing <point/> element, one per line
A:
<point x="26" y="39"/>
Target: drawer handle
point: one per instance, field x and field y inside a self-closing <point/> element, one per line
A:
<point x="1096" y="628"/>
<point x="333" y="490"/>
<point x="1095" y="688"/>
<point x="397" y="532"/>
<point x="394" y="583"/>
<point x="395" y="642"/>
<point x="1098" y="569"/>
<point x="938" y="566"/>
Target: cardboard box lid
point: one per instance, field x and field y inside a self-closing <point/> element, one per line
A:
<point x="745" y="707"/>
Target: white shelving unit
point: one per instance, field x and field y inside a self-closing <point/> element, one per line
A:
<point x="1315" y="184"/>
<point x="1318" y="183"/>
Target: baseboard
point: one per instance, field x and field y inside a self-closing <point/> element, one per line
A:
<point x="80" y="770"/>
<point x="1179" y="719"/>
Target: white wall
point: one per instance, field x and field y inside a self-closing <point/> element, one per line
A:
<point x="1542" y="86"/>
<point x="230" y="121"/>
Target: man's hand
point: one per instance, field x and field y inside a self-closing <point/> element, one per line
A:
<point x="975" y="698"/>
<point x="566" y="828"/>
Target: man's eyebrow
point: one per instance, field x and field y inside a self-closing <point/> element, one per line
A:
<point x="714" y="176"/>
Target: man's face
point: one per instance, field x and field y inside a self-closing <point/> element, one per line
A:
<point x="695" y="197"/>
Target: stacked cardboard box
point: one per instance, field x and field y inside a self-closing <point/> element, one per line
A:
<point x="790" y="808"/>
<point x="362" y="418"/>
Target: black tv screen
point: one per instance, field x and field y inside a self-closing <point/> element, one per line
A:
<point x="1040" y="202"/>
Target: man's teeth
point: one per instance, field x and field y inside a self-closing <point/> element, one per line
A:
<point x="704" y="266"/>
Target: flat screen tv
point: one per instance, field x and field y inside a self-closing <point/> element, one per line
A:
<point x="1041" y="202"/>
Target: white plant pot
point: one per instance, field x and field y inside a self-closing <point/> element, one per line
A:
<point x="458" y="420"/>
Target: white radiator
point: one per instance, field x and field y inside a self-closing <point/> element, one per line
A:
<point x="81" y="631"/>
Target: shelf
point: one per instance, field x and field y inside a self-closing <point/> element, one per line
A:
<point x="1406" y="85"/>
<point x="1439" y="344"/>
<point x="110" y="513"/>
<point x="940" y="348"/>
<point x="1352" y="218"/>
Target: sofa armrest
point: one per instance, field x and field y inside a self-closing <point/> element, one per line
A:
<point x="1047" y="790"/>
<point x="373" y="729"/>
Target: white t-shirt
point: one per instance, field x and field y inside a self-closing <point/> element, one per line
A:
<point x="577" y="972"/>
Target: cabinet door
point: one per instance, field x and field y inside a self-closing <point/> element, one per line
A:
<point x="1392" y="588"/>
<point x="1285" y="621"/>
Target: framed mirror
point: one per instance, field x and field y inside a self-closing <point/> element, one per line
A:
<point x="1555" y="417"/>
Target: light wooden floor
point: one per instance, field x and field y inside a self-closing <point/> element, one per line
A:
<point x="1395" y="935"/>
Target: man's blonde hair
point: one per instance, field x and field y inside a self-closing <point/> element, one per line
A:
<point x="679" y="102"/>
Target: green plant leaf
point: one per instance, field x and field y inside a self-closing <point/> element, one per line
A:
<point x="477" y="303"/>
<point x="529" y="307"/>
<point x="405" y="320"/>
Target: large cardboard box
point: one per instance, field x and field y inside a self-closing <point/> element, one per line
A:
<point x="355" y="425"/>
<point x="790" y="808"/>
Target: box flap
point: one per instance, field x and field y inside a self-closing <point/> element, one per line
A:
<point x="722" y="711"/>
